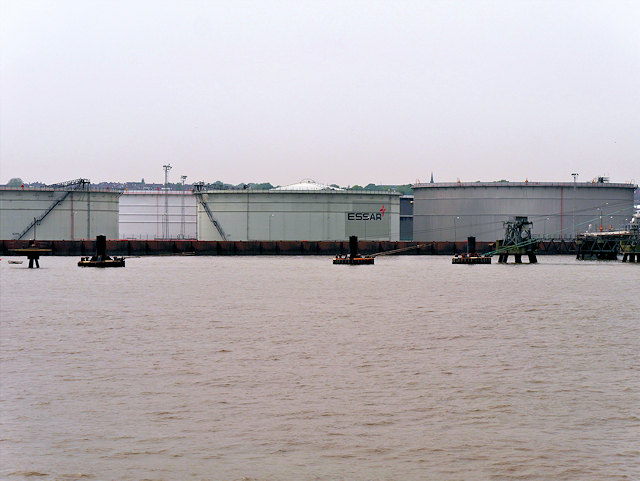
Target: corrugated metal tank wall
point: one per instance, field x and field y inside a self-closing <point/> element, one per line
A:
<point x="448" y="212"/>
<point x="406" y="218"/>
<point x="81" y="215"/>
<point x="299" y="215"/>
<point x="142" y="214"/>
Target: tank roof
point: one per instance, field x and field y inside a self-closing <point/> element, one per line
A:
<point x="598" y="185"/>
<point x="307" y="184"/>
<point x="301" y="191"/>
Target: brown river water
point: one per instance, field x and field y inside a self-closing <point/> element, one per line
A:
<point x="291" y="368"/>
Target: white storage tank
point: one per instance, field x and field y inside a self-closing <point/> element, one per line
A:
<point x="73" y="211"/>
<point x="157" y="214"/>
<point x="306" y="211"/>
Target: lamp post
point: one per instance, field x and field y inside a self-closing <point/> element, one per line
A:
<point x="455" y="229"/>
<point x="270" y="225"/>
<point x="600" y="215"/>
<point x="165" y="217"/>
<point x="183" y="228"/>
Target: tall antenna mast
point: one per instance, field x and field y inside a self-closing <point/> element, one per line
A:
<point x="165" y="218"/>
<point x="182" y="223"/>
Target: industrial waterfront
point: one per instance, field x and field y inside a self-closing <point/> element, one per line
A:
<point x="314" y="212"/>
<point x="265" y="367"/>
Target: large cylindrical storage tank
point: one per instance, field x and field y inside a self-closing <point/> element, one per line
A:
<point x="150" y="214"/>
<point x="61" y="213"/>
<point x="296" y="214"/>
<point x="454" y="211"/>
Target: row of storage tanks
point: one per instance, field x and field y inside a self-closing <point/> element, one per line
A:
<point x="315" y="212"/>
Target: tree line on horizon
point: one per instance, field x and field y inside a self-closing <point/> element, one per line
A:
<point x="404" y="189"/>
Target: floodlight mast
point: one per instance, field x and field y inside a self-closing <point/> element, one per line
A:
<point x="165" y="219"/>
<point x="182" y="220"/>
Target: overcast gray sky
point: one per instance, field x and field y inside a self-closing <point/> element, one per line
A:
<point x="341" y="92"/>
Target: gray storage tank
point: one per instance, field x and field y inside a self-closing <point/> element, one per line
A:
<point x="454" y="211"/>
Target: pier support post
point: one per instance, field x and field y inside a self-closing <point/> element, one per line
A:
<point x="32" y="259"/>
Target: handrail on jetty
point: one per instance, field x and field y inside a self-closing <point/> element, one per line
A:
<point x="395" y="251"/>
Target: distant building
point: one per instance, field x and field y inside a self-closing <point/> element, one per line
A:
<point x="454" y="211"/>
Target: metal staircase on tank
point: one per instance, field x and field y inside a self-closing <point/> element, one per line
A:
<point x="77" y="184"/>
<point x="197" y="188"/>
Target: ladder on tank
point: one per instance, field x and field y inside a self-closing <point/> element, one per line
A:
<point x="46" y="213"/>
<point x="197" y="187"/>
<point x="76" y="184"/>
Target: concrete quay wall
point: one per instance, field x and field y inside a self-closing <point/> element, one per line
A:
<point x="252" y="248"/>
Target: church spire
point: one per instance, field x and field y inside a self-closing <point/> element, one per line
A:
<point x="431" y="178"/>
